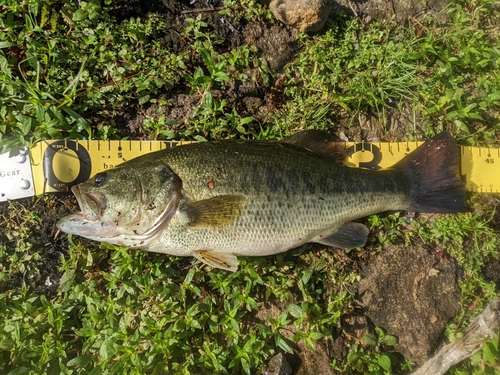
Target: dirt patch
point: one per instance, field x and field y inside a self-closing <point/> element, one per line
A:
<point x="412" y="292"/>
<point x="277" y="43"/>
<point x="176" y="108"/>
<point x="491" y="271"/>
<point x="43" y="249"/>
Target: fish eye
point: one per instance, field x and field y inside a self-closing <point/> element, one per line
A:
<point x="100" y="179"/>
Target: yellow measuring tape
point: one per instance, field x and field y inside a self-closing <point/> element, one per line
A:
<point x="58" y="165"/>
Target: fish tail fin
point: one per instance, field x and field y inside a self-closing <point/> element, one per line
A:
<point x="433" y="172"/>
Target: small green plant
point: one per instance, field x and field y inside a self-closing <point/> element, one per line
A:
<point x="369" y="355"/>
<point x="217" y="73"/>
<point x="486" y="361"/>
<point x="159" y="128"/>
<point x="391" y="227"/>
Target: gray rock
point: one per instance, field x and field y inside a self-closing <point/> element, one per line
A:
<point x="278" y="365"/>
<point x="412" y="292"/>
<point x="276" y="43"/>
<point x="304" y="15"/>
<point x="402" y="11"/>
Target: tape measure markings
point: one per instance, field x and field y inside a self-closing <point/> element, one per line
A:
<point x="57" y="165"/>
<point x="481" y="169"/>
<point x="478" y="173"/>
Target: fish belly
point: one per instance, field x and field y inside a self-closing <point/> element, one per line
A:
<point x="272" y="225"/>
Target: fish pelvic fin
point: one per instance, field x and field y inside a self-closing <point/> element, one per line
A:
<point x="433" y="173"/>
<point x="215" y="259"/>
<point x="348" y="236"/>
<point x="216" y="212"/>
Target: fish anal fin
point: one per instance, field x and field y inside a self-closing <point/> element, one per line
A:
<point x="215" y="259"/>
<point x="349" y="236"/>
<point x="216" y="212"/>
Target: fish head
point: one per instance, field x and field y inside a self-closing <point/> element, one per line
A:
<point x="127" y="206"/>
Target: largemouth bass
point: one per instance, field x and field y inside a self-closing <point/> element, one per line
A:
<point x="219" y="200"/>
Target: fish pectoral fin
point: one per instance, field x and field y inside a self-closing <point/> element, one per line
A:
<point x="349" y="236"/>
<point x="216" y="259"/>
<point x="216" y="212"/>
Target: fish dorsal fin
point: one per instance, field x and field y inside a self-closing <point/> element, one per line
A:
<point x="320" y="143"/>
<point x="349" y="236"/>
<point x="216" y="212"/>
<point x="216" y="259"/>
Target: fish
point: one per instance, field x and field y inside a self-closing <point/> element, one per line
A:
<point x="220" y="200"/>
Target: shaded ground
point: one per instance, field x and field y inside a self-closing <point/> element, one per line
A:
<point x="46" y="247"/>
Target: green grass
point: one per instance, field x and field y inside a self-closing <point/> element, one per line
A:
<point x="66" y="70"/>
<point x="442" y="77"/>
<point x="74" y="61"/>
<point x="123" y="311"/>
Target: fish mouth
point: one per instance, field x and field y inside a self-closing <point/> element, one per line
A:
<point x="92" y="205"/>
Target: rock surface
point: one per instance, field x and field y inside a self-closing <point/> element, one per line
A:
<point x="402" y="11"/>
<point x="278" y="365"/>
<point x="304" y="15"/>
<point x="315" y="361"/>
<point x="412" y="292"/>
